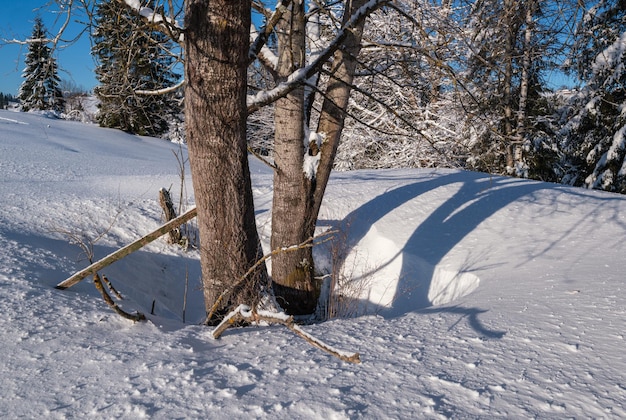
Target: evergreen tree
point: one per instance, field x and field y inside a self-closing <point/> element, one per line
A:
<point x="132" y="57"/>
<point x="40" y="89"/>
<point x="596" y="133"/>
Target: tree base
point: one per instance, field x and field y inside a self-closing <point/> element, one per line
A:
<point x="295" y="301"/>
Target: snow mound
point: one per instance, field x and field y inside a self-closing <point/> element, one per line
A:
<point x="392" y="280"/>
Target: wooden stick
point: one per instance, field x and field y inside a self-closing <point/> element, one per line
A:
<point x="133" y="317"/>
<point x="128" y="249"/>
<point x="243" y="312"/>
<point x="165" y="200"/>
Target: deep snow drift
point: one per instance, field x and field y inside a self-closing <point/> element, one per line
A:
<point x="480" y="296"/>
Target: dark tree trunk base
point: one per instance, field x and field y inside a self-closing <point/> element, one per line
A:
<point x="294" y="301"/>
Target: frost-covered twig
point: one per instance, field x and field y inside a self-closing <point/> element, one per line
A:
<point x="55" y="40"/>
<point x="261" y="38"/>
<point x="163" y="91"/>
<point x="244" y="313"/>
<point x="166" y="24"/>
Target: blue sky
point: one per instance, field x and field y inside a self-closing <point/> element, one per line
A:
<point x="16" y="22"/>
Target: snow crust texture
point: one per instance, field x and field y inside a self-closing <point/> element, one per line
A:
<point x="479" y="296"/>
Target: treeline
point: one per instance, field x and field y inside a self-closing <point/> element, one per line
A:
<point x="446" y="83"/>
<point x="5" y="99"/>
<point x="470" y="84"/>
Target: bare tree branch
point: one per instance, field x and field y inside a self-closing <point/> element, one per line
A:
<point x="244" y="313"/>
<point x="298" y="77"/>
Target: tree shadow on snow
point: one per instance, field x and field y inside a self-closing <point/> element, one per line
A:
<point x="421" y="283"/>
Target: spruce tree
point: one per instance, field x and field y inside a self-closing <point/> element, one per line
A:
<point x="596" y="134"/>
<point x="131" y="57"/>
<point x="40" y="89"/>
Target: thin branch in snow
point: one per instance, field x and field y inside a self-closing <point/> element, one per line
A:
<point x="244" y="313"/>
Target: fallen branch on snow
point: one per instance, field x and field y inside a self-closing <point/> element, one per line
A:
<point x="107" y="298"/>
<point x="244" y="313"/>
<point x="128" y="249"/>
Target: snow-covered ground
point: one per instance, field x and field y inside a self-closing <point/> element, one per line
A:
<point x="481" y="296"/>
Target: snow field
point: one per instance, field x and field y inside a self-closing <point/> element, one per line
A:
<point x="483" y="296"/>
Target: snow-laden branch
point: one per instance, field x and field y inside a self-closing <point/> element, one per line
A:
<point x="259" y="39"/>
<point x="263" y="98"/>
<point x="54" y="41"/>
<point x="167" y="24"/>
<point x="263" y="54"/>
<point x="162" y="91"/>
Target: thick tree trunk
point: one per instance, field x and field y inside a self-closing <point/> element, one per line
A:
<point x="216" y="50"/>
<point x="292" y="272"/>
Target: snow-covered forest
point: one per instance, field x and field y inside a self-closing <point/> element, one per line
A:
<point x="376" y="169"/>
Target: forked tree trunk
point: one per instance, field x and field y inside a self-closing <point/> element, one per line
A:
<point x="216" y="54"/>
<point x="297" y="198"/>
<point x="334" y="107"/>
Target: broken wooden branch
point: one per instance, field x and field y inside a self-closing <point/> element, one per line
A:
<point x="244" y="313"/>
<point x="128" y="249"/>
<point x="165" y="200"/>
<point x="133" y="317"/>
<point x="112" y="289"/>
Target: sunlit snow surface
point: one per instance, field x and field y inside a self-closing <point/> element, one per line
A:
<point x="481" y="296"/>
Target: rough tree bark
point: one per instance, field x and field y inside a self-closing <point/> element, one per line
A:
<point x="297" y="197"/>
<point x="291" y="272"/>
<point x="216" y="59"/>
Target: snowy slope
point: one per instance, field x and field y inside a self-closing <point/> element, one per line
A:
<point x="480" y="296"/>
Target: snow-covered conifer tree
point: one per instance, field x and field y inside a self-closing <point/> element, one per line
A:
<point x="40" y="88"/>
<point x="132" y="57"/>
<point x="596" y="134"/>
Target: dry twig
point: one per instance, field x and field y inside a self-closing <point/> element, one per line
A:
<point x="243" y="313"/>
